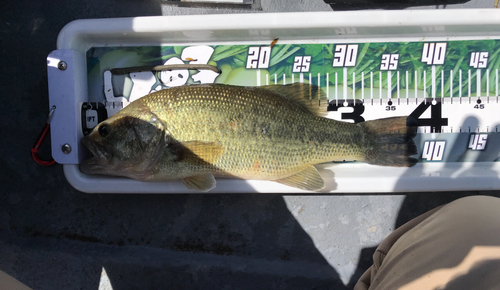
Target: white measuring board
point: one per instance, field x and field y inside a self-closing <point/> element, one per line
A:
<point x="444" y="74"/>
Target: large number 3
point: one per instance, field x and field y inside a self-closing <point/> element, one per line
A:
<point x="355" y="115"/>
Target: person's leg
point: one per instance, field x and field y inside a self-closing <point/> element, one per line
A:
<point x="9" y="282"/>
<point x="456" y="246"/>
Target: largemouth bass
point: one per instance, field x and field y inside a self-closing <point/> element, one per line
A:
<point x="278" y="133"/>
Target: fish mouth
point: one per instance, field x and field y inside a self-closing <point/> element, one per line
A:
<point x="96" y="164"/>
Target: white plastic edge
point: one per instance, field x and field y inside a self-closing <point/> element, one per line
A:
<point x="339" y="178"/>
<point x="82" y="34"/>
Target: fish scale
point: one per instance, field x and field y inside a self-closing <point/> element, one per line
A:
<point x="205" y="112"/>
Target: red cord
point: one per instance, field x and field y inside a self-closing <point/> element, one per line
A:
<point x="34" y="149"/>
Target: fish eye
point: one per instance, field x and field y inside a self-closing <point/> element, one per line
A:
<point x="103" y="130"/>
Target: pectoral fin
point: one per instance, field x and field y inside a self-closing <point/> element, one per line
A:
<point x="209" y="152"/>
<point x="307" y="179"/>
<point x="204" y="182"/>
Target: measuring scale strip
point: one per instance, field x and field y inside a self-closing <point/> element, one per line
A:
<point x="450" y="87"/>
<point x="468" y="114"/>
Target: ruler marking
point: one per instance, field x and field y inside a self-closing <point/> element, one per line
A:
<point x="275" y="79"/>
<point x="478" y="83"/>
<point x="460" y="85"/>
<point x="293" y="81"/>
<point x="389" y="84"/>
<point x="267" y="79"/>
<point x="416" y="80"/>
<point x="407" y="86"/>
<point x="284" y="79"/>
<point x="425" y="86"/>
<point x="442" y="84"/>
<point x="397" y="88"/>
<point x="353" y="86"/>
<point x="488" y="84"/>
<point x="336" y="92"/>
<point x="433" y="84"/>
<point x="371" y="85"/>
<point x="469" y="85"/>
<point x="328" y="86"/>
<point x="380" y="86"/>
<point x="451" y="86"/>
<point x="496" y="93"/>
<point x="258" y="77"/>
<point x="363" y="85"/>
<point x="344" y="89"/>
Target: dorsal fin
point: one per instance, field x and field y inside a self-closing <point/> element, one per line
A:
<point x="310" y="97"/>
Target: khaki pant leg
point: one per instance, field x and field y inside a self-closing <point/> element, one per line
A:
<point x="8" y="282"/>
<point x="456" y="246"/>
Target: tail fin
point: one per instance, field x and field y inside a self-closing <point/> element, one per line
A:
<point x="390" y="141"/>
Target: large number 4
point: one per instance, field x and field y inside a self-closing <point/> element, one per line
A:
<point x="436" y="121"/>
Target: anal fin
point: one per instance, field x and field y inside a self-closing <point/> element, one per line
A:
<point x="204" y="182"/>
<point x="307" y="179"/>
